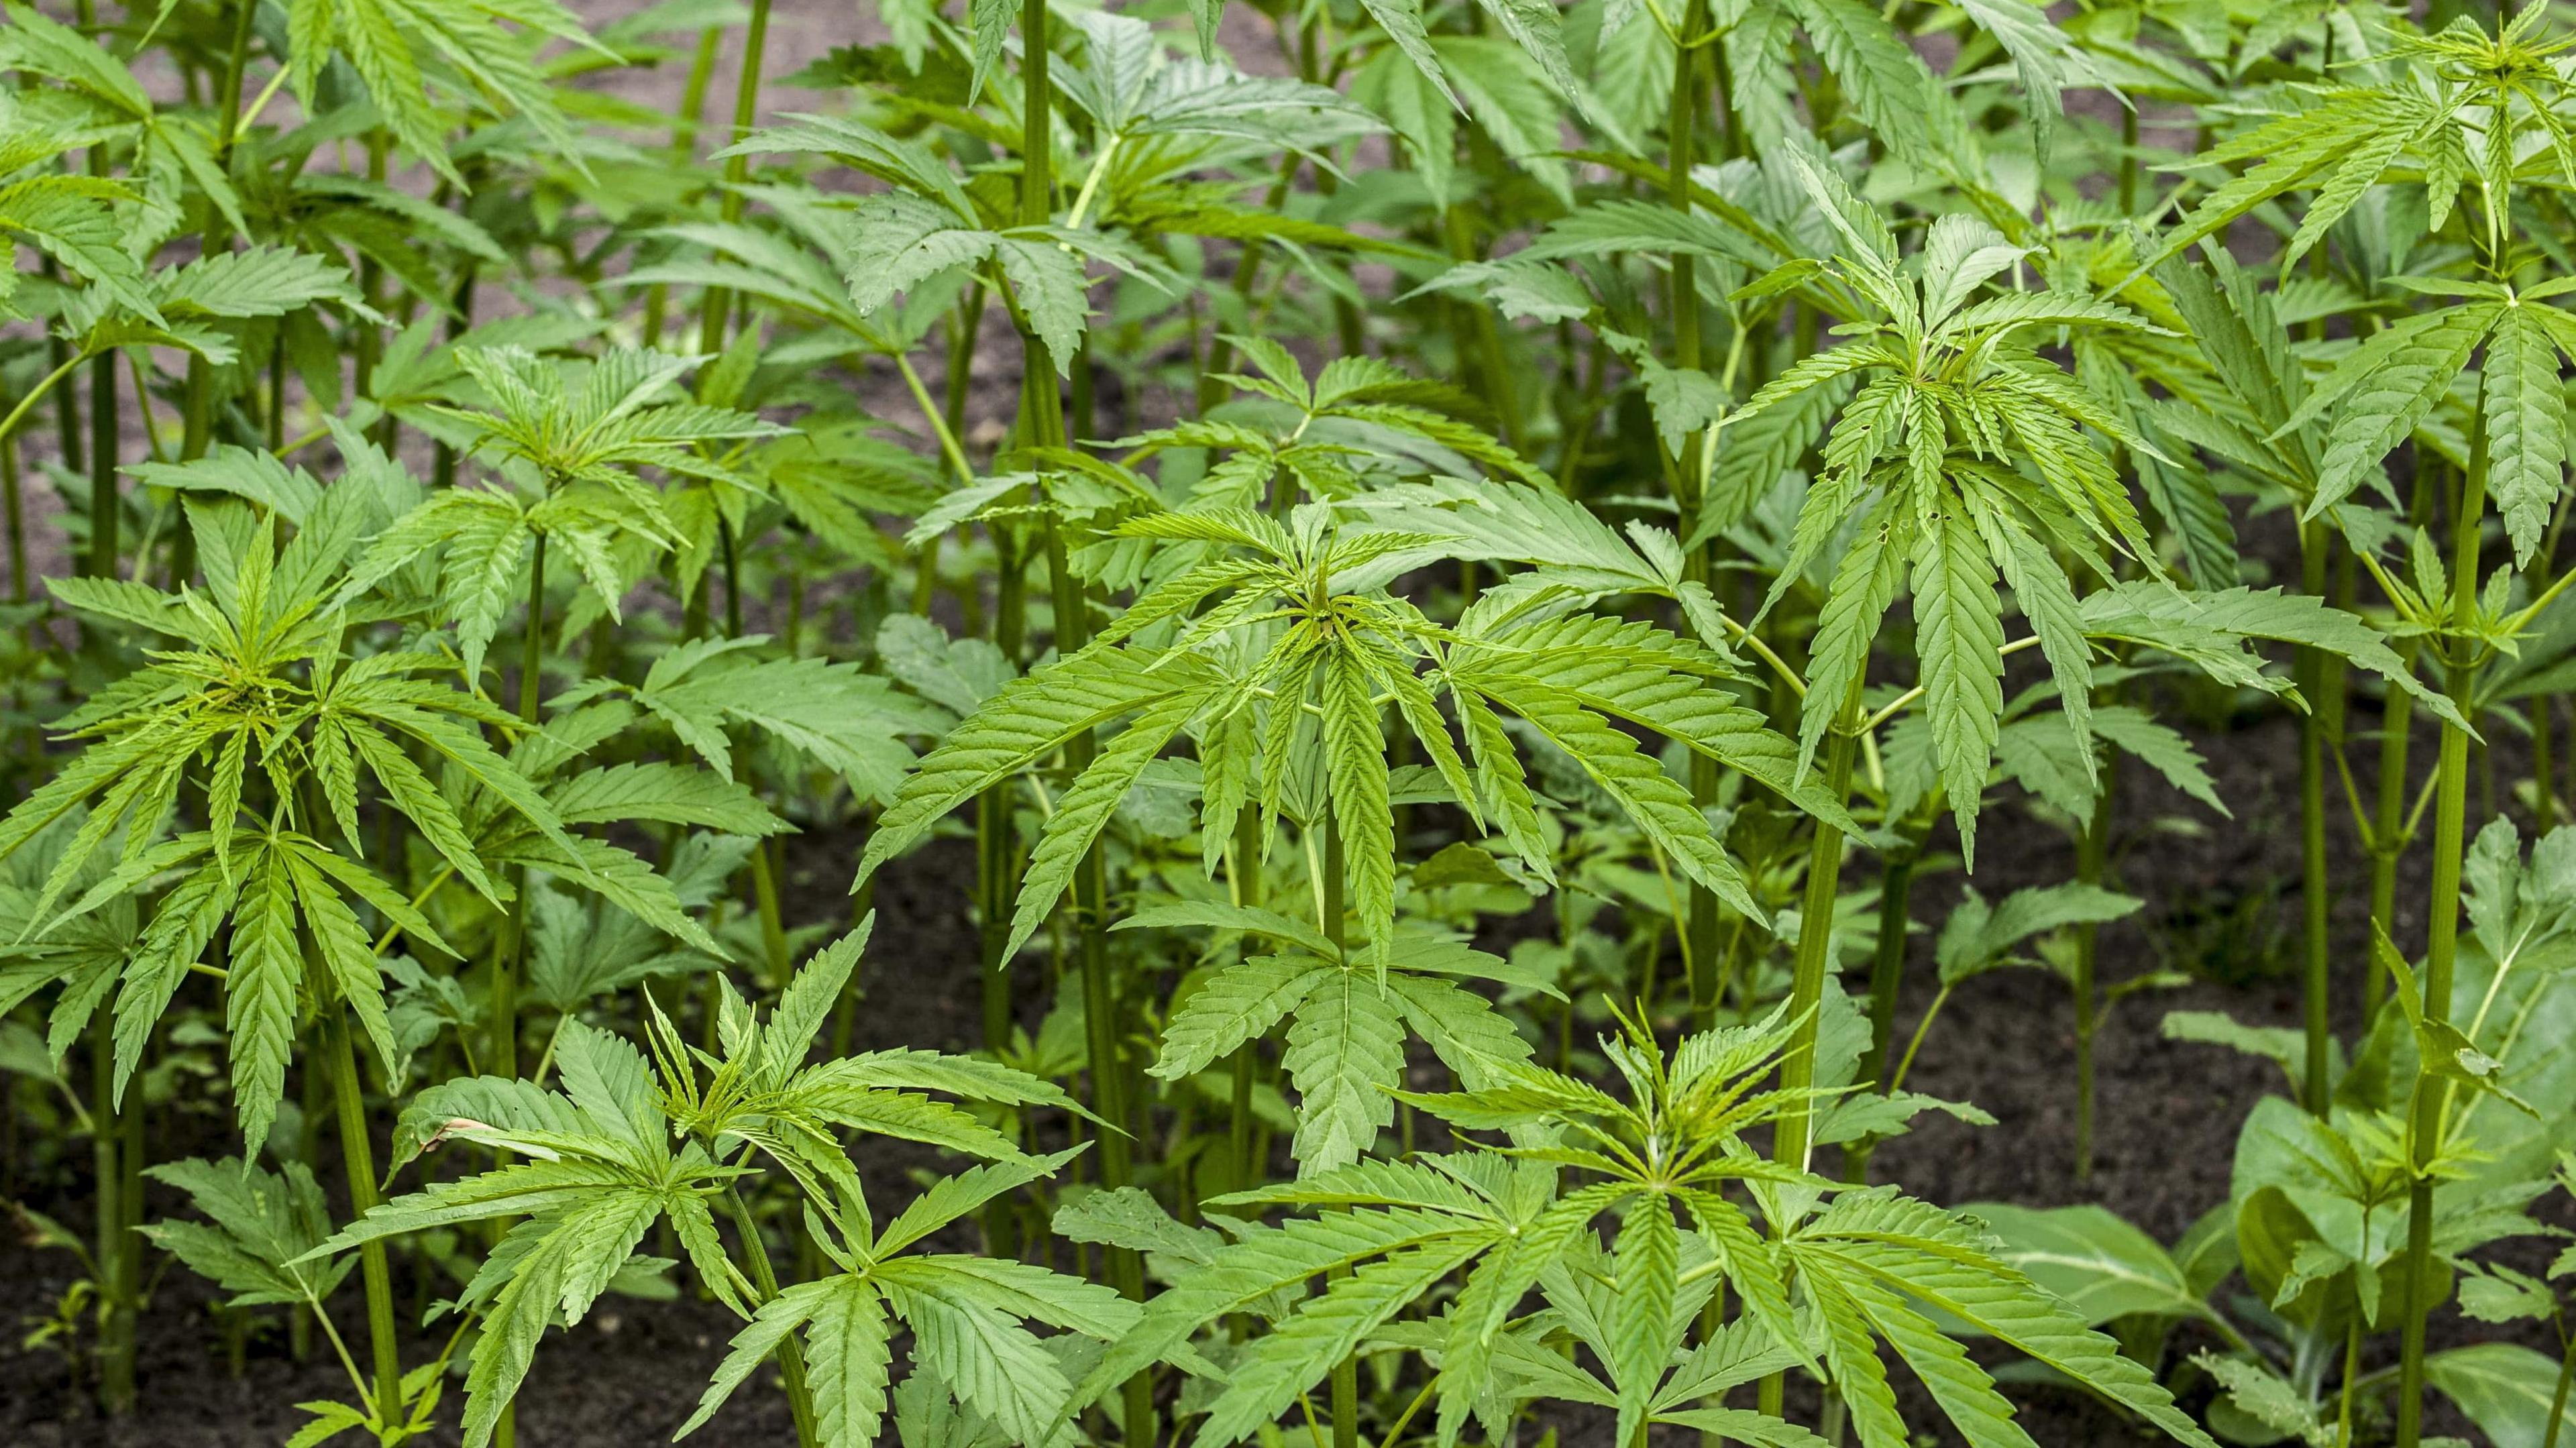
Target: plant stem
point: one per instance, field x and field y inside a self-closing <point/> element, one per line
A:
<point x="1792" y="1137"/>
<point x="1346" y="1373"/>
<point x="2092" y="852"/>
<point x="104" y="512"/>
<point x="2389" y="833"/>
<point x="16" y="507"/>
<point x="200" y="405"/>
<point x="117" y="1304"/>
<point x="764" y="1281"/>
<point x="1814" y="960"/>
<point x="1886" y="975"/>
<point x="2544" y="799"/>
<point x="2351" y="1373"/>
<point x="2558" y="1396"/>
<point x="2317" y="675"/>
<point x="514" y="928"/>
<point x="764" y="869"/>
<point x="2450" y="822"/>
<point x="358" y="1160"/>
<point x="1243" y="872"/>
<point x="716" y="305"/>
<point x="994" y="878"/>
<point x="1042" y="424"/>
<point x="60" y="359"/>
<point x="1700" y="904"/>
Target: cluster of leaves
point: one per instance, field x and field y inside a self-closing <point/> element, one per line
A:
<point x="538" y="512"/>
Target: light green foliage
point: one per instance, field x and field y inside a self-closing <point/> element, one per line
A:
<point x="1471" y="572"/>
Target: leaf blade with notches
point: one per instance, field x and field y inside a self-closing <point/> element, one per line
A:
<point x="1029" y="718"/>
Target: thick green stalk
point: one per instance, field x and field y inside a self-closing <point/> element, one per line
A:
<point x="2317" y="675"/>
<point x="358" y="1160"/>
<point x="717" y="304"/>
<point x="684" y="150"/>
<point x="2388" y="825"/>
<point x="764" y="1281"/>
<point x="117" y="1298"/>
<point x="963" y="325"/>
<point x="1090" y="906"/>
<point x="1700" y="909"/>
<point x="717" y="308"/>
<point x="442" y="465"/>
<point x="994" y="877"/>
<point x="200" y="405"/>
<point x="59" y="362"/>
<point x="104" y="511"/>
<point x="2544" y="795"/>
<point x="2092" y="853"/>
<point x="1814" y="961"/>
<point x="1501" y="394"/>
<point x="1247" y="261"/>
<point x="2558" y="1396"/>
<point x="764" y="867"/>
<point x="1792" y="1136"/>
<point x="2450" y="831"/>
<point x="370" y="337"/>
<point x="1042" y="424"/>
<point x="2388" y="831"/>
<point x="506" y="958"/>
<point x="1346" y="1373"/>
<point x="16" y="507"/>
<point x="1243" y="870"/>
<point x="1886" y="977"/>
<point x="1109" y="1083"/>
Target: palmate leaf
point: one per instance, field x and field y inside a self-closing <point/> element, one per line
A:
<point x="262" y="281"/>
<point x="966" y="1340"/>
<point x="970" y="1077"/>
<point x="1298" y="1353"/>
<point x="1401" y="20"/>
<point x="1960" y="636"/>
<point x="1498" y="1283"/>
<point x="617" y="876"/>
<point x="1084" y="809"/>
<point x="1639" y="1334"/>
<point x="1344" y="1052"/>
<point x="1875" y="1250"/>
<point x="1966" y="1395"/>
<point x="1890" y="86"/>
<point x="1264" y="1261"/>
<point x="898" y="241"/>
<point x="2382" y="405"/>
<point x="1355" y="763"/>
<point x="1637" y="672"/>
<point x="846" y="720"/>
<point x="994" y="1365"/>
<point x="1233" y="1006"/>
<point x="1634" y="779"/>
<point x="258" y="1225"/>
<point x="665" y="793"/>
<point x="2526" y="425"/>
<point x="393" y="45"/>
<point x="1028" y="719"/>
<point x="567" y="1263"/>
<point x="2148" y="611"/>
<point x="1864" y="586"/>
<point x="260" y="992"/>
<point x="70" y="218"/>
